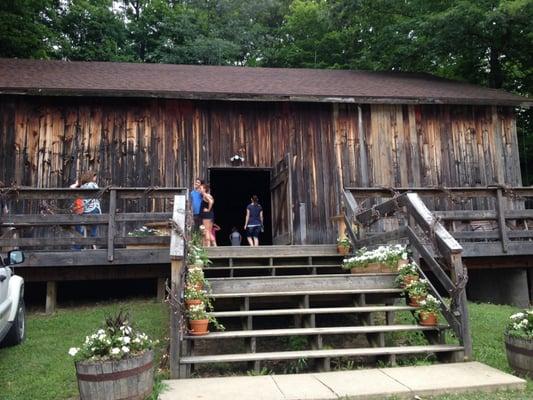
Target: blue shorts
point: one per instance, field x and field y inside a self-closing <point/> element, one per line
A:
<point x="254" y="231"/>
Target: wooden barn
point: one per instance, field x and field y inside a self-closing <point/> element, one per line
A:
<point x="381" y="157"/>
<point x="144" y="125"/>
<point x="307" y="137"/>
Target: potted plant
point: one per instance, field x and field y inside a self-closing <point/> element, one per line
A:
<point x="343" y="245"/>
<point x="519" y="342"/>
<point x="143" y="232"/>
<point x="197" y="256"/>
<point x="427" y="314"/>
<point x="193" y="297"/>
<point x="407" y="273"/>
<point x="417" y="291"/>
<point x="115" y="362"/>
<point x="199" y="319"/>
<point x="195" y="278"/>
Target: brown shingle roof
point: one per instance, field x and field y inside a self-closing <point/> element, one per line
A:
<point x="44" y="77"/>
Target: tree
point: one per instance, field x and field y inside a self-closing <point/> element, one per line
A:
<point x="25" y="30"/>
<point x="90" y="30"/>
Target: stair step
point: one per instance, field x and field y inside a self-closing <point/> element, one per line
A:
<point x="306" y="277"/>
<point x="307" y="311"/>
<point x="325" y="292"/>
<point x="337" y="330"/>
<point x="293" y="355"/>
<point x="248" y="267"/>
<point x="294" y="251"/>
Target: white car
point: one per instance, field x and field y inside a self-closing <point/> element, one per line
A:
<point x="12" y="312"/>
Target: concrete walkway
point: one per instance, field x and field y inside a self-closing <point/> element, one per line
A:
<point x="400" y="382"/>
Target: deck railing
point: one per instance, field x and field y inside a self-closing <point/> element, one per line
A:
<point x="443" y="256"/>
<point x="487" y="221"/>
<point x="42" y="222"/>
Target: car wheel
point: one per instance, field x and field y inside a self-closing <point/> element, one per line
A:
<point x="17" y="332"/>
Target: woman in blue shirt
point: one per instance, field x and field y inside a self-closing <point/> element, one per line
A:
<point x="254" y="221"/>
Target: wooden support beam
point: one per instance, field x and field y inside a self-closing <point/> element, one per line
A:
<point x="161" y="289"/>
<point x="51" y="297"/>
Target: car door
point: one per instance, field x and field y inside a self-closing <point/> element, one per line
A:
<point x="5" y="302"/>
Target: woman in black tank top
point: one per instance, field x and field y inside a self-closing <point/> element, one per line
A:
<point x="207" y="214"/>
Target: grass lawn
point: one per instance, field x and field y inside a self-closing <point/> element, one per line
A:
<point x="42" y="369"/>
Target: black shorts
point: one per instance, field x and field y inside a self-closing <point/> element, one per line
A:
<point x="254" y="231"/>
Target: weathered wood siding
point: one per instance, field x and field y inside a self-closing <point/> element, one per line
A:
<point x="145" y="142"/>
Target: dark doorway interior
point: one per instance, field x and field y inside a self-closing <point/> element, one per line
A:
<point x="232" y="189"/>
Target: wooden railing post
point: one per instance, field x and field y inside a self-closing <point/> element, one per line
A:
<point x="459" y="278"/>
<point x="177" y="254"/>
<point x="500" y="210"/>
<point x="111" y="225"/>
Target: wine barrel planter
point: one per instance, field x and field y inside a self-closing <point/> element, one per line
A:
<point x="520" y="355"/>
<point x="131" y="378"/>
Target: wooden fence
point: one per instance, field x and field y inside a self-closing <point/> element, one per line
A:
<point x="42" y="222"/>
<point x="487" y="221"/>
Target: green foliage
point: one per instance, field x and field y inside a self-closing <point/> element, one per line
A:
<point x="41" y="368"/>
<point x="488" y="42"/>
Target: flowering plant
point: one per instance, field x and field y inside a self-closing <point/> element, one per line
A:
<point x="195" y="277"/>
<point x="344" y="242"/>
<point x="117" y="339"/>
<point x="197" y="255"/>
<point x="144" y="231"/>
<point x="192" y="293"/>
<point x="417" y="288"/>
<point x="389" y="255"/>
<point x="199" y="312"/>
<point x="521" y="325"/>
<point x="404" y="271"/>
<point x="430" y="305"/>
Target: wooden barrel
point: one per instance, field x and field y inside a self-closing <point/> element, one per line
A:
<point x="520" y="355"/>
<point x="131" y="378"/>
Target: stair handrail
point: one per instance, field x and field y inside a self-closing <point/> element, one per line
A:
<point x="418" y="215"/>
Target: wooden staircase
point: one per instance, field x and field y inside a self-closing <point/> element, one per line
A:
<point x="267" y="295"/>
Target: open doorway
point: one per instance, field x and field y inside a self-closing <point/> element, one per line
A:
<point x="232" y="189"/>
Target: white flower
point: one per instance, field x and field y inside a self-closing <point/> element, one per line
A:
<point x="115" y="350"/>
<point x="517" y="316"/>
<point x="125" y="349"/>
<point x="100" y="332"/>
<point x="125" y="339"/>
<point x="73" y="351"/>
<point x="102" y="337"/>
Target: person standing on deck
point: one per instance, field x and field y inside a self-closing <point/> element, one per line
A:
<point x="90" y="206"/>
<point x="207" y="214"/>
<point x="235" y="237"/>
<point x="254" y="221"/>
<point x="196" y="203"/>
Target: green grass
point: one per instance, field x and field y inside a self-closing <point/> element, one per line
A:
<point x="488" y="323"/>
<point x="40" y="368"/>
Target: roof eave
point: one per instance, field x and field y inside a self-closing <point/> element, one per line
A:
<point x="261" y="97"/>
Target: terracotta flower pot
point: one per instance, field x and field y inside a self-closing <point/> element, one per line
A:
<point x="414" y="301"/>
<point x="198" y="327"/>
<point x="193" y="302"/>
<point x="427" y="318"/>
<point x="408" y="279"/>
<point x="342" y="250"/>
